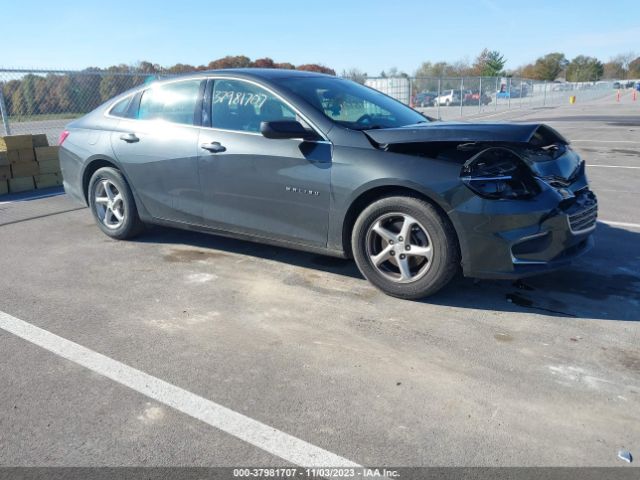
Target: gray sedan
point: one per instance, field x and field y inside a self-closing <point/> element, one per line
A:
<point x="323" y="164"/>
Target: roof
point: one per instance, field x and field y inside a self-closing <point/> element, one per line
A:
<point x="263" y="73"/>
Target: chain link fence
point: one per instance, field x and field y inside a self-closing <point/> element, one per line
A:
<point x="449" y="98"/>
<point x="44" y="101"/>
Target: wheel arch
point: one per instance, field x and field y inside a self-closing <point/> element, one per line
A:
<point x="91" y="167"/>
<point x="94" y="165"/>
<point x="370" y="195"/>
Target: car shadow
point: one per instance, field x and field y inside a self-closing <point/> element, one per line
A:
<point x="603" y="284"/>
<point x="166" y="235"/>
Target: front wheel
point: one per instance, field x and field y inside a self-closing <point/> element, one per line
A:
<point x="112" y="204"/>
<point x="405" y="247"/>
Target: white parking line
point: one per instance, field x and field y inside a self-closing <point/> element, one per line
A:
<point x="620" y="224"/>
<point x="252" y="431"/>
<point x="591" y="165"/>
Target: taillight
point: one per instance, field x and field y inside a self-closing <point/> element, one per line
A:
<point x="63" y="137"/>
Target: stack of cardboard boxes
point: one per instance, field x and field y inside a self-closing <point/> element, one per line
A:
<point x="28" y="162"/>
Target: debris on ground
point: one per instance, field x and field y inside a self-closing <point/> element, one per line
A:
<point x="625" y="455"/>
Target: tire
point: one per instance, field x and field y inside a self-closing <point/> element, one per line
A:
<point x="428" y="228"/>
<point x="112" y="204"/>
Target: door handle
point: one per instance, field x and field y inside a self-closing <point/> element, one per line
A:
<point x="213" y="147"/>
<point x="129" y="137"/>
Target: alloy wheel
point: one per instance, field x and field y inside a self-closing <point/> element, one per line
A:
<point x="399" y="247"/>
<point x="109" y="204"/>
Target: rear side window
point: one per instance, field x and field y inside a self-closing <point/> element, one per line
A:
<point x="241" y="106"/>
<point x="121" y="108"/>
<point x="172" y="102"/>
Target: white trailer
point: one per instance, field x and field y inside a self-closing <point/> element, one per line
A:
<point x="396" y="87"/>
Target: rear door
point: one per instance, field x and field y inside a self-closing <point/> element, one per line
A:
<point x="158" y="149"/>
<point x="252" y="184"/>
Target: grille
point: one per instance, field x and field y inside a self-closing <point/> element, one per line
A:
<point x="585" y="218"/>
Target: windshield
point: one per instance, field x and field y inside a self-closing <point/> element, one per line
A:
<point x="351" y="104"/>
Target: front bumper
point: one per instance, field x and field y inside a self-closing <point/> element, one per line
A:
<point x="515" y="239"/>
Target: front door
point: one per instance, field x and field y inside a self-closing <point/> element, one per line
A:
<point x="251" y="184"/>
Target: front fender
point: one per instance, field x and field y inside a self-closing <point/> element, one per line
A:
<point x="359" y="174"/>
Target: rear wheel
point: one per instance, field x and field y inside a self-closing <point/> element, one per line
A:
<point x="112" y="204"/>
<point x="405" y="247"/>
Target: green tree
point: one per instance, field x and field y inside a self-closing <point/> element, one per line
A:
<point x="63" y="90"/>
<point x="584" y="69"/>
<point x="85" y="87"/>
<point x="489" y="63"/>
<point x="112" y="85"/>
<point x="8" y="90"/>
<point x="17" y="103"/>
<point x="549" y="67"/>
<point x="28" y="91"/>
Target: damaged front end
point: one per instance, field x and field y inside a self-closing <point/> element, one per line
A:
<point x="527" y="207"/>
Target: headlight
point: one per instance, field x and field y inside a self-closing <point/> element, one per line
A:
<point x="499" y="173"/>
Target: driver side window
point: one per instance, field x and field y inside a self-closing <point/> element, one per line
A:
<point x="241" y="106"/>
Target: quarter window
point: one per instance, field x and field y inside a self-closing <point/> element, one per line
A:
<point x="242" y="106"/>
<point x="121" y="108"/>
<point x="172" y="102"/>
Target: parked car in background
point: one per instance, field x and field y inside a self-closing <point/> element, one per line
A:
<point x="562" y="87"/>
<point x="472" y="97"/>
<point x="424" y="99"/>
<point x="447" y="98"/>
<point x="515" y="91"/>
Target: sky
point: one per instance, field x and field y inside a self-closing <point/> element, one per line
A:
<point x="371" y="35"/>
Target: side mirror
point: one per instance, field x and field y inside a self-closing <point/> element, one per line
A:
<point x="283" y="129"/>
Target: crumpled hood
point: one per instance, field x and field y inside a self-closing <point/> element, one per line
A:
<point x="466" y="132"/>
<point x="442" y="140"/>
